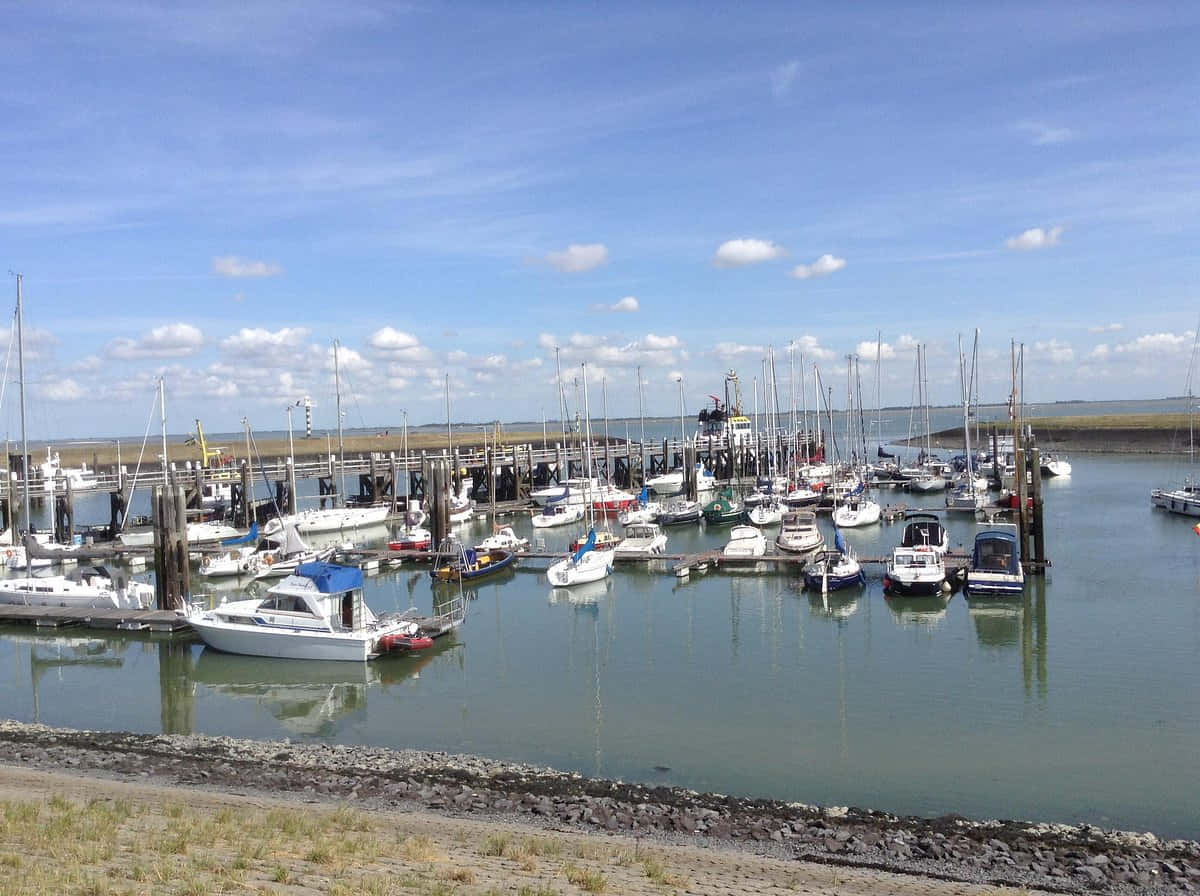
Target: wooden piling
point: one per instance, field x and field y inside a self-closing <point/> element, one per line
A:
<point x="1039" y="536"/>
<point x="168" y="507"/>
<point x="246" y="510"/>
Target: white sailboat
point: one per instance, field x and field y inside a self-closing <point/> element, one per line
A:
<point x="970" y="491"/>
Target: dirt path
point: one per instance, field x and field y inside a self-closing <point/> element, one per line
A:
<point x="175" y="839"/>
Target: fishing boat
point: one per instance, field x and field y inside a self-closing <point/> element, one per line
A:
<point x="799" y="533"/>
<point x="472" y="564"/>
<point x="995" y="567"/>
<point x="642" y="540"/>
<point x="92" y="586"/>
<point x="317" y="613"/>
<point x="745" y="541"/>
<point x="724" y="509"/>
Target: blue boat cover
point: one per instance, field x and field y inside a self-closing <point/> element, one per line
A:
<point x="330" y="578"/>
<point x="249" y="538"/>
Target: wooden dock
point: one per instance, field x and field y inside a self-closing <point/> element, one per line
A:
<point x="159" y="621"/>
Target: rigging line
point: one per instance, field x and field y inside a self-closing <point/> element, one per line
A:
<point x="263" y="472"/>
<point x="138" y="467"/>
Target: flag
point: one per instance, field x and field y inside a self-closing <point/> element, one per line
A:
<point x="1196" y="528"/>
<point x="586" y="546"/>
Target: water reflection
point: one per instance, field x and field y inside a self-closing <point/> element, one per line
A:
<point x="51" y="654"/>
<point x="919" y="611"/>
<point x="309" y="698"/>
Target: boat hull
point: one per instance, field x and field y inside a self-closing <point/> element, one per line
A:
<point x="283" y="644"/>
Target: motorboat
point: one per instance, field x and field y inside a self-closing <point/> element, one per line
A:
<point x="681" y="513"/>
<point x="724" y="509"/>
<point x="472" y="564"/>
<point x="995" y="567"/>
<point x="582" y="566"/>
<point x="57" y="478"/>
<point x="799" y="533"/>
<point x="558" y="513"/>
<point x="915" y="572"/>
<point x="766" y="513"/>
<point x="856" y="510"/>
<point x="91" y="586"/>
<point x="804" y="495"/>
<point x="1184" y="500"/>
<point x="924" y="530"/>
<point x="1053" y="465"/>
<point x="745" y="541"/>
<point x="317" y="613"/>
<point x="503" y="539"/>
<point x="666" y="484"/>
<point x="641" y="540"/>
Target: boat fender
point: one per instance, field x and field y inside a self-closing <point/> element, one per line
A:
<point x="268" y="559"/>
<point x="8" y="554"/>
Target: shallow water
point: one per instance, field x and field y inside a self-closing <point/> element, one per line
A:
<point x="1077" y="703"/>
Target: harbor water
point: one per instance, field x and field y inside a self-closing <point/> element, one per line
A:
<point x="1076" y="703"/>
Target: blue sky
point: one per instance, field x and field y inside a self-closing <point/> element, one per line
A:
<point x="214" y="192"/>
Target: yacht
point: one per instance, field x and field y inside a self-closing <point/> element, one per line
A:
<point x="799" y="533"/>
<point x="995" y="567"/>
<point x="91" y="586"/>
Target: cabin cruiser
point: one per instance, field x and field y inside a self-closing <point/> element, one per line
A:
<point x="924" y="530"/>
<point x="92" y="586"/>
<point x="642" y="540"/>
<point x="317" y="613"/>
<point x="799" y="533"/>
<point x="995" y="567"/>
<point x="745" y="541"/>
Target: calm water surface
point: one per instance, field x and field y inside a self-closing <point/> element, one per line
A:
<point x="1077" y="703"/>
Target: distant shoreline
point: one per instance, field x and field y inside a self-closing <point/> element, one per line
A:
<point x="1159" y="434"/>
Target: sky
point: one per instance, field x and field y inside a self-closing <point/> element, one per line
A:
<point x="215" y="192"/>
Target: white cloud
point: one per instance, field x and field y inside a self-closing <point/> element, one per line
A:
<point x="232" y="266"/>
<point x="811" y="348"/>
<point x="168" y="341"/>
<point x="349" y="361"/>
<point x="1034" y="238"/>
<point x="1054" y="350"/>
<point x="866" y="349"/>
<point x="276" y="349"/>
<point x="546" y="340"/>
<point x="1106" y="328"/>
<point x="727" y="351"/>
<point x="398" y="345"/>
<point x="1100" y="352"/>
<point x="783" y="77"/>
<point x="62" y="390"/>
<point x="1041" y="134"/>
<point x="738" y="253"/>
<point x="674" y="376"/>
<point x="1154" y="343"/>
<point x="661" y="342"/>
<point x="577" y="257"/>
<point x="629" y="304"/>
<point x="826" y="264"/>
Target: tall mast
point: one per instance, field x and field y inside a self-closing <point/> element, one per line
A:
<point x="337" y="389"/>
<point x="449" y="431"/>
<point x="24" y="436"/>
<point x="562" y="397"/>
<point x="162" y="416"/>
<point x="682" y="437"/>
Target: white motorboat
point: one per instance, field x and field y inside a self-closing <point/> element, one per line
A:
<point x="641" y="540"/>
<point x="995" y="568"/>
<point x="856" y="510"/>
<point x="559" y="513"/>
<point x="57" y="478"/>
<point x="584" y="565"/>
<point x="924" y="530"/>
<point x="666" y="485"/>
<point x="745" y="541"/>
<point x="767" y="513"/>
<point x="803" y="495"/>
<point x="915" y="572"/>
<point x="1053" y="465"/>
<point x="91" y="586"/>
<point x="318" y="613"/>
<point x="799" y="533"/>
<point x="1183" y="500"/>
<point x="503" y="539"/>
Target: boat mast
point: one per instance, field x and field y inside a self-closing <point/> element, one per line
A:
<point x="587" y="451"/>
<point x="24" y="435"/>
<point x="162" y="415"/>
<point x="682" y="437"/>
<point x="449" y="431"/>
<point x="337" y="390"/>
<point x="562" y="397"/>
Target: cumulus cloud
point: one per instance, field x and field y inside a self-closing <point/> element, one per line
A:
<point x="1055" y="351"/>
<point x="741" y="252"/>
<point x="627" y="304"/>
<point x="1155" y="343"/>
<point x="1106" y="328"/>
<point x="232" y="266"/>
<point x="398" y="345"/>
<point x="887" y="351"/>
<point x="275" y="349"/>
<point x="727" y="351"/>
<point x="1034" y="238"/>
<point x="62" y="390"/>
<point x="784" y="76"/>
<point x="810" y="347"/>
<point x="578" y="257"/>
<point x="618" y="351"/>
<point x="826" y="264"/>
<point x="1041" y="134"/>
<point x="168" y="341"/>
<point x="1100" y="352"/>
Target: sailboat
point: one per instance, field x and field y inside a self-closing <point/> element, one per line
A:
<point x="1184" y="499"/>
<point x="856" y="507"/>
<point x="585" y="564"/>
<point x="336" y="518"/>
<point x="970" y="491"/>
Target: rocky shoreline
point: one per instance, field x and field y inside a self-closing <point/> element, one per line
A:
<point x="1051" y="857"/>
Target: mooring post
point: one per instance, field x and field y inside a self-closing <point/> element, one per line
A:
<point x="1020" y="491"/>
<point x="689" y="471"/>
<point x="247" y="499"/>
<point x="168" y="509"/>
<point x="1039" y="536"/>
<point x="439" y="501"/>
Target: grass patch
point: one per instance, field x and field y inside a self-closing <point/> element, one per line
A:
<point x="419" y="848"/>
<point x="586" y="879"/>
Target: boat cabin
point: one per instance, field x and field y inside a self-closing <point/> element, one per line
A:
<point x="996" y="551"/>
<point x="923" y="530"/>
<point x="319" y="595"/>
